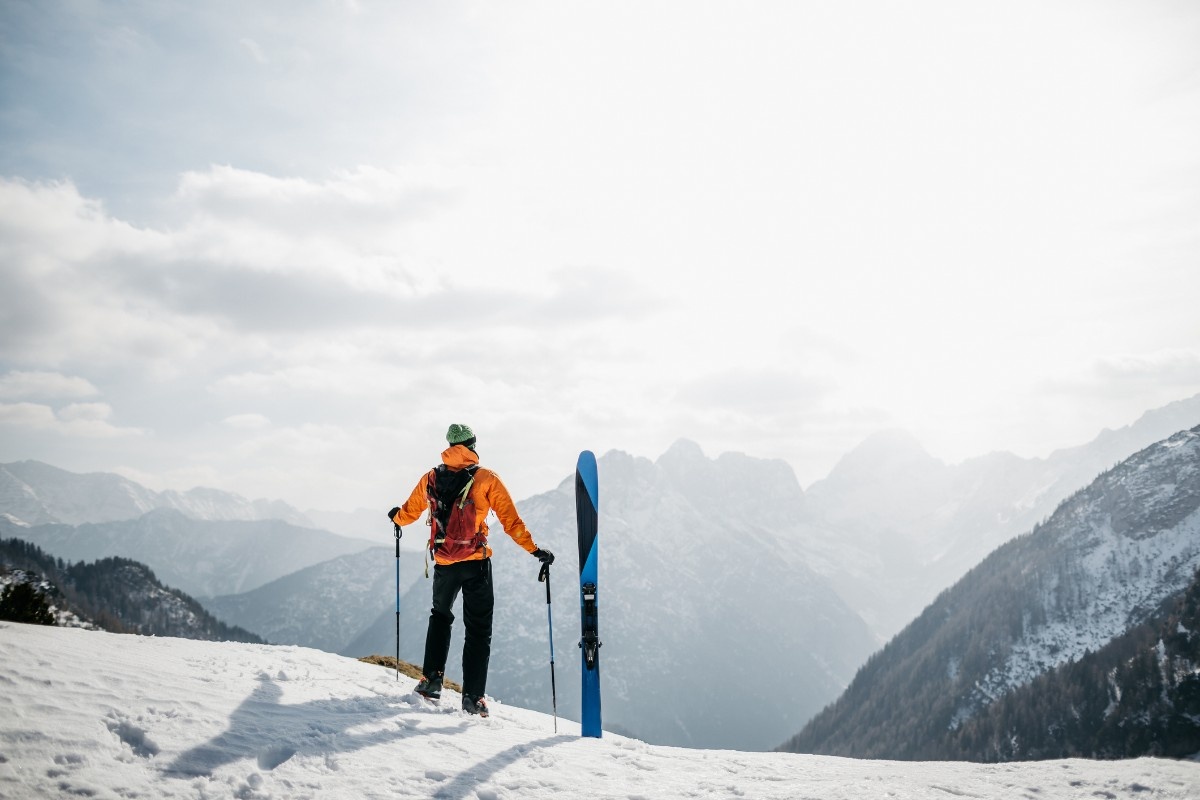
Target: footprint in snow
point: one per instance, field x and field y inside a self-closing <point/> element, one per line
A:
<point x="132" y="735"/>
<point x="274" y="756"/>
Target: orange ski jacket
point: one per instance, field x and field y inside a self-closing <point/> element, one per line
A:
<point x="487" y="492"/>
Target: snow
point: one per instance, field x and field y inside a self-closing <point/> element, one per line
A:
<point x="86" y="713"/>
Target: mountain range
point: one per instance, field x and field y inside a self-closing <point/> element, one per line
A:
<point x="35" y="493"/>
<point x="892" y="526"/>
<point x="736" y="604"/>
<point x="204" y="558"/>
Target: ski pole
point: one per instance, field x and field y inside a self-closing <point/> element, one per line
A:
<point x="544" y="576"/>
<point x="399" y="533"/>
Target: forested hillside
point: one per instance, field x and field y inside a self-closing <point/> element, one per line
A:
<point x="1139" y="695"/>
<point x="116" y="594"/>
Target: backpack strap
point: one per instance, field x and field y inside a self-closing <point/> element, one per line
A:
<point x="431" y="521"/>
<point x="462" y="496"/>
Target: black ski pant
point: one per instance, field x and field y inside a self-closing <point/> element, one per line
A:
<point x="474" y="580"/>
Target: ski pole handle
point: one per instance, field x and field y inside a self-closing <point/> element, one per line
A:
<point x="544" y="577"/>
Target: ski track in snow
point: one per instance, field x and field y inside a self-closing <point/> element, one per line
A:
<point x="92" y="714"/>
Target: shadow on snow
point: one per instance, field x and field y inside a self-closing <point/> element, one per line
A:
<point x="469" y="779"/>
<point x="270" y="732"/>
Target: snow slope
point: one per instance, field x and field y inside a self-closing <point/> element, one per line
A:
<point x="93" y="714"/>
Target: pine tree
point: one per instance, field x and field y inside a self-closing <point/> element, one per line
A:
<point x="20" y="602"/>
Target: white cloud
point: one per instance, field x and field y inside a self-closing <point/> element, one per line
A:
<point x="34" y="415"/>
<point x="85" y="412"/>
<point x="65" y="289"/>
<point x="1170" y="369"/>
<point x="772" y="393"/>
<point x="790" y="217"/>
<point x="247" y="421"/>
<point x="19" y="384"/>
<point x="83" y="420"/>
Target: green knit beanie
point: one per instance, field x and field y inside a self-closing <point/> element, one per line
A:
<point x="460" y="434"/>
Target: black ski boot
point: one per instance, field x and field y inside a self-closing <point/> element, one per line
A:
<point x="475" y="705"/>
<point x="430" y="688"/>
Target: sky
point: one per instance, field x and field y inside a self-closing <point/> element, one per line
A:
<point x="277" y="248"/>
<point x="292" y="722"/>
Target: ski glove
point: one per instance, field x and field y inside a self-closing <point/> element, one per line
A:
<point x="544" y="556"/>
<point x="392" y="514"/>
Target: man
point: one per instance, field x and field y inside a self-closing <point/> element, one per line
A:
<point x="459" y="494"/>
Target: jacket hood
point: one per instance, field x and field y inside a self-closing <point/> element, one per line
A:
<point x="457" y="457"/>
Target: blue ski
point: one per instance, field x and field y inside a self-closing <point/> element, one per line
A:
<point x="587" y="504"/>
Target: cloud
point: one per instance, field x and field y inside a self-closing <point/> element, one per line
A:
<point x="31" y="415"/>
<point x="60" y="290"/>
<point x="72" y="270"/>
<point x="312" y="306"/>
<point x="1133" y="374"/>
<point x="348" y="204"/>
<point x="236" y="324"/>
<point x="359" y="461"/>
<point x="85" y="420"/>
<point x="244" y="295"/>
<point x="17" y="384"/>
<point x="754" y="392"/>
<point x="287" y="93"/>
<point x="361" y="215"/>
<point x="247" y="422"/>
<point x="579" y="295"/>
<point x="1173" y="368"/>
<point x="317" y="377"/>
